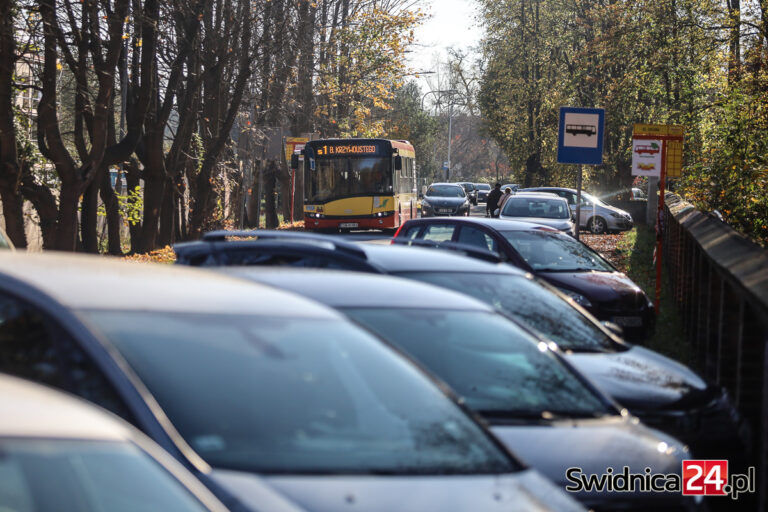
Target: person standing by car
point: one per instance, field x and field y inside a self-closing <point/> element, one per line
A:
<point x="493" y="198"/>
<point x="503" y="199"/>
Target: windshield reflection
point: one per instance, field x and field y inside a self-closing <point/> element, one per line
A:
<point x="532" y="304"/>
<point x="495" y="365"/>
<point x="547" y="251"/>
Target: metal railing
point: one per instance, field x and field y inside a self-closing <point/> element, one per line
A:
<point x="719" y="281"/>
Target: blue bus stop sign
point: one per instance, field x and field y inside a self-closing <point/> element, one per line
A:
<point x="580" y="136"/>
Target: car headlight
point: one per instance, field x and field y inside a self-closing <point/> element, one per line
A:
<point x="577" y="298"/>
<point x="424" y="203"/>
<point x="616" y="215"/>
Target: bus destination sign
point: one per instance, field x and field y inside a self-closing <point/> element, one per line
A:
<point x="346" y="149"/>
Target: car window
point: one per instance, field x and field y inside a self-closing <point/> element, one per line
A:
<point x="410" y="233"/>
<point x="439" y="232"/>
<point x="34" y="347"/>
<point x="547" y="251"/>
<point x="497" y="367"/>
<point x="530" y="303"/>
<point x="86" y="476"/>
<point x="445" y="191"/>
<point x="296" y="395"/>
<point x="522" y="206"/>
<point x="477" y="237"/>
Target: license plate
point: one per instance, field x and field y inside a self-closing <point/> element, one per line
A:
<point x="349" y="225"/>
<point x="444" y="210"/>
<point x="628" y="321"/>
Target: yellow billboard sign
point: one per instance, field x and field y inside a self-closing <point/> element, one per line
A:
<point x="672" y="136"/>
<point x="292" y="144"/>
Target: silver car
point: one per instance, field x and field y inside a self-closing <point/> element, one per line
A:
<point x="61" y="454"/>
<point x="596" y="216"/>
<point x="544" y="209"/>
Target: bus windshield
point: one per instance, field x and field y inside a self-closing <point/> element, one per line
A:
<point x="337" y="178"/>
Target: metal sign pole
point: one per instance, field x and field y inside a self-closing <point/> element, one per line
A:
<point x="659" y="222"/>
<point x="578" y="202"/>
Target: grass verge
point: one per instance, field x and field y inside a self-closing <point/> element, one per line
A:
<point x="634" y="252"/>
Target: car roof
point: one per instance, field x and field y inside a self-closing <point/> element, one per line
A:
<point x="497" y="224"/>
<point x="31" y="410"/>
<point x="538" y="195"/>
<point x="356" y="289"/>
<point x="444" y="183"/>
<point x="101" y="282"/>
<point x="402" y="258"/>
<point x="544" y="189"/>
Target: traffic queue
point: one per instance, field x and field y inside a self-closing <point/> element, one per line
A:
<point x="469" y="364"/>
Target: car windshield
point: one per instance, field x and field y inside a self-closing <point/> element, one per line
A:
<point x="525" y="206"/>
<point x="530" y="303"/>
<point x="483" y="186"/>
<point x="445" y="191"/>
<point x="297" y="396"/>
<point x="88" y="476"/>
<point x="549" y="251"/>
<point x="337" y="178"/>
<point x="497" y="367"/>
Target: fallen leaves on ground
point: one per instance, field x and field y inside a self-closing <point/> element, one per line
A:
<point x="164" y="255"/>
<point x="609" y="247"/>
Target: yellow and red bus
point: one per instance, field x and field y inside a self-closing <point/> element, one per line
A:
<point x="358" y="184"/>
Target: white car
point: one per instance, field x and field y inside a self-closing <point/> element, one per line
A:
<point x="60" y="454"/>
<point x="544" y="209"/>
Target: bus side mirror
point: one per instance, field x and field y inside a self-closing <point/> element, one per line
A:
<point x="398" y="163"/>
<point x="294" y="161"/>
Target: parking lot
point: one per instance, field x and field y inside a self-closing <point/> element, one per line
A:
<point x="303" y="371"/>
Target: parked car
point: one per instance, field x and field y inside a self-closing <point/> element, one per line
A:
<point x="662" y="392"/>
<point x="445" y="199"/>
<point x="562" y="261"/>
<point x="61" y="454"/>
<point x="471" y="191"/>
<point x="5" y="241"/>
<point x="545" y="209"/>
<point x="275" y="402"/>
<point x="483" y="189"/>
<point x="535" y="403"/>
<point x="638" y="194"/>
<point x="514" y="186"/>
<point x="596" y="216"/>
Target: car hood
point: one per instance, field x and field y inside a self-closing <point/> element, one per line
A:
<point x="612" y="287"/>
<point x="444" y="201"/>
<point x="592" y="445"/>
<point x="561" y="224"/>
<point x="639" y="378"/>
<point x="522" y="491"/>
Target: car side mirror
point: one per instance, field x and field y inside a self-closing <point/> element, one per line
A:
<point x="614" y="328"/>
<point x="398" y="163"/>
<point x="294" y="161"/>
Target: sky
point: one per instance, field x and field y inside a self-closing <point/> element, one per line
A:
<point x="452" y="24"/>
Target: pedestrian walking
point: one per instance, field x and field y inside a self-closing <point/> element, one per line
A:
<point x="492" y="201"/>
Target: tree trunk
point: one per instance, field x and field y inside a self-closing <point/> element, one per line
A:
<point x="168" y="216"/>
<point x="112" y="208"/>
<point x="270" y="205"/>
<point x="10" y="170"/>
<point x="66" y="220"/>
<point x="89" y="217"/>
